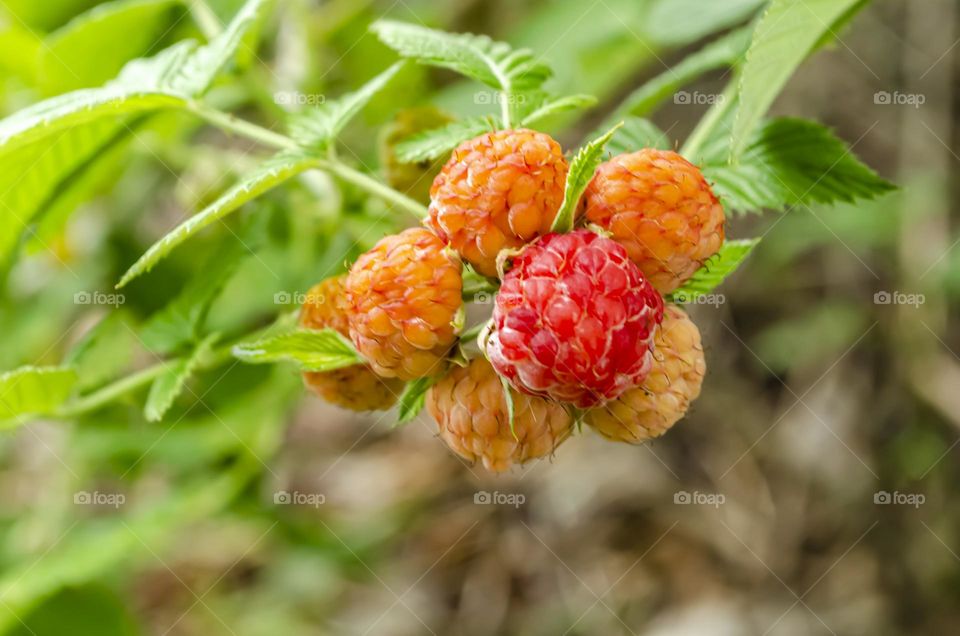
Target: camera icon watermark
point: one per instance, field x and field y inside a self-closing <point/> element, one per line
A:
<point x="896" y="98"/>
<point x="712" y="300"/>
<point x="493" y="97"/>
<point x="898" y="298"/>
<point x="483" y="298"/>
<point x="897" y="498"/>
<point x="696" y="498"/>
<point x="97" y="498"/>
<point x="297" y="498"/>
<point x="98" y="298"/>
<point x="497" y="498"/>
<point x="298" y="298"/>
<point x="697" y="98"/>
<point x="296" y="98"/>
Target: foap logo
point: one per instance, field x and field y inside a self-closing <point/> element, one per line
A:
<point x="497" y="498"/>
<point x="98" y="298"/>
<point x="697" y="498"/>
<point x="712" y="300"/>
<point x="697" y="98"/>
<point x="296" y="98"/>
<point x="297" y="498"/>
<point x="298" y="298"/>
<point x="493" y="97"/>
<point x="97" y="498"/>
<point x="897" y="498"/>
<point x="898" y="298"/>
<point x="896" y="98"/>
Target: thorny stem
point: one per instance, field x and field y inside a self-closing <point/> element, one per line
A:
<point x="267" y="137"/>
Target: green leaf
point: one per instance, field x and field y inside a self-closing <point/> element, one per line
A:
<point x="636" y="133"/>
<point x="87" y="52"/>
<point x="786" y="34"/>
<point x="47" y="147"/>
<point x="792" y="162"/>
<point x="170" y="383"/>
<point x="437" y="142"/>
<point x="724" y="52"/>
<point x="680" y="22"/>
<point x="313" y="350"/>
<point x="581" y="172"/>
<point x="549" y="107"/>
<point x="33" y="391"/>
<point x="413" y="398"/>
<point x="321" y="125"/>
<point x="281" y="168"/>
<point x="495" y="64"/>
<point x="715" y="270"/>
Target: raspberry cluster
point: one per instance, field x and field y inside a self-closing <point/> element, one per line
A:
<point x="579" y="331"/>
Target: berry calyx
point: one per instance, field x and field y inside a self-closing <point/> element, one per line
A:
<point x="402" y="300"/>
<point x="355" y="387"/>
<point x="471" y="412"/>
<point x="661" y="209"/>
<point x="499" y="190"/>
<point x="665" y="395"/>
<point x="574" y="320"/>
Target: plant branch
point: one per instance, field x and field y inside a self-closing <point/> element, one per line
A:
<point x="709" y="121"/>
<point x="267" y="137"/>
<point x="205" y="18"/>
<point x="130" y="383"/>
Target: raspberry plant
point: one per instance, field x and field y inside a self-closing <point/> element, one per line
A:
<point x="577" y="334"/>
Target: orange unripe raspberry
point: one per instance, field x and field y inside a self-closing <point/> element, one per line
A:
<point x="499" y="190"/>
<point x="402" y="300"/>
<point x="665" y="395"/>
<point x="355" y="387"/>
<point x="471" y="413"/>
<point x="661" y="209"/>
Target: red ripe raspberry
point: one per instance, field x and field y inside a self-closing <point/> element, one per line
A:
<point x="356" y="387"/>
<point x="500" y="190"/>
<point x="402" y="299"/>
<point x="658" y="206"/>
<point x="473" y="419"/>
<point x="665" y="395"/>
<point x="574" y="320"/>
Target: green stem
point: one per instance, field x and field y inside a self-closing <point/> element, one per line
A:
<point x="714" y="116"/>
<point x="242" y="127"/>
<point x="505" y="109"/>
<point x="205" y="18"/>
<point x="130" y="383"/>
<point x="375" y="188"/>
<point x="111" y="392"/>
<point x="267" y="137"/>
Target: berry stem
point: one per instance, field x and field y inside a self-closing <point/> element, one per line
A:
<point x="119" y="388"/>
<point x="206" y="19"/>
<point x="505" y="109"/>
<point x="375" y="188"/>
<point x="709" y="122"/>
<point x="267" y="137"/>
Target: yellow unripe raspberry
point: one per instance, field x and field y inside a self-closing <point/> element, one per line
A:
<point x="471" y="413"/>
<point x="402" y="300"/>
<point x="660" y="208"/>
<point x="355" y="387"/>
<point x="665" y="395"/>
<point x="499" y="190"/>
